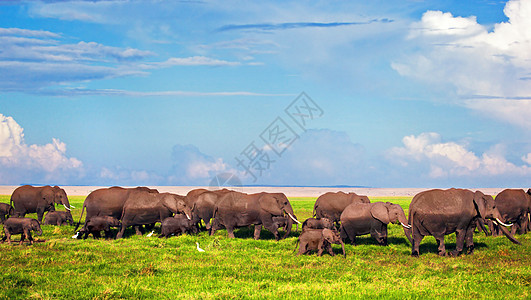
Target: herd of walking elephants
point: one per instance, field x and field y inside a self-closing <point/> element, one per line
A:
<point x="337" y="217"/>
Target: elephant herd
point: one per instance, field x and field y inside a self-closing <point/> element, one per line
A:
<point x="337" y="217"/>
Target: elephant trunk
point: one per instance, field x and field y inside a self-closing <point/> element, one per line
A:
<point x="38" y="231"/>
<point x="509" y="235"/>
<point x="497" y="216"/>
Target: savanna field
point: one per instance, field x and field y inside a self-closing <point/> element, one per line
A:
<point x="140" y="267"/>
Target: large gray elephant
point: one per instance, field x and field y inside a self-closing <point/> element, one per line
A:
<point x="236" y="209"/>
<point x="514" y="206"/>
<point x="28" y="199"/>
<point x="442" y="212"/>
<point x="142" y="208"/>
<point x="372" y="218"/>
<point x="204" y="206"/>
<point x="108" y="202"/>
<point x="330" y="205"/>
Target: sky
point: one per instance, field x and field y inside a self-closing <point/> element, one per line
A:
<point x="405" y="93"/>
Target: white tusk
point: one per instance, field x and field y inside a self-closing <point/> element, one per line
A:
<point x="188" y="216"/>
<point x="405" y="225"/>
<point x="506" y="225"/>
<point x="71" y="206"/>
<point x="293" y="218"/>
<point x="66" y="207"/>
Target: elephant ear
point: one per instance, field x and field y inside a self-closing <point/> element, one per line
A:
<point x="48" y="195"/>
<point x="379" y="211"/>
<point x="35" y="224"/>
<point x="270" y="204"/>
<point x="480" y="204"/>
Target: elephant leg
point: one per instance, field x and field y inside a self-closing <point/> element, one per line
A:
<point x="302" y="248"/>
<point x="96" y="234"/>
<point x="122" y="231"/>
<point x="321" y="246"/>
<point x="330" y="250"/>
<point x="30" y="238"/>
<point x="417" y="238"/>
<point x="230" y="231"/>
<point x="40" y="214"/>
<point x="441" y="247"/>
<point x="469" y="239"/>
<point x="139" y="229"/>
<point x="257" y="231"/>
<point x="459" y="242"/>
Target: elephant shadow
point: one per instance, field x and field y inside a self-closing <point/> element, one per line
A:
<point x="431" y="247"/>
<point x="248" y="232"/>
<point x="369" y="240"/>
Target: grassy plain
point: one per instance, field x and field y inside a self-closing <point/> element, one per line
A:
<point x="139" y="267"/>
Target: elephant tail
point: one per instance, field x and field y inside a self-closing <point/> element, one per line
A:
<point x="81" y="216"/>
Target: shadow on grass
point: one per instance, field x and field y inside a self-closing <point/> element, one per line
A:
<point x="430" y="247"/>
<point x="368" y="240"/>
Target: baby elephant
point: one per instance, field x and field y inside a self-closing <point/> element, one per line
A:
<point x="320" y="240"/>
<point x="176" y="225"/>
<point x="372" y="218"/>
<point x="24" y="226"/>
<point x="97" y="224"/>
<point x="322" y="223"/>
<point x="58" y="218"/>
<point x="6" y="210"/>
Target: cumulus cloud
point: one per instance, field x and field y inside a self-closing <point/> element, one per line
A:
<point x="428" y="156"/>
<point x="487" y="69"/>
<point x="20" y="162"/>
<point x="191" y="166"/>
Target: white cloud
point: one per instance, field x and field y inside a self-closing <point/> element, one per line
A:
<point x="191" y="61"/>
<point x="191" y="166"/>
<point x="488" y="69"/>
<point x="20" y="162"/>
<point x="451" y="160"/>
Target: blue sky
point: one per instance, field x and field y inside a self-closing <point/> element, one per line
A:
<point x="405" y="93"/>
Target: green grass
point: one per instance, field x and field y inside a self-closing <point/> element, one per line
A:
<point x="143" y="268"/>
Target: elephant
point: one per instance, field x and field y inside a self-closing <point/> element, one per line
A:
<point x="100" y="223"/>
<point x="204" y="205"/>
<point x="108" y="202"/>
<point x="28" y="199"/>
<point x="320" y="240"/>
<point x="6" y="211"/>
<point x="236" y="209"/>
<point x="441" y="212"/>
<point x="330" y="205"/>
<point x="143" y="207"/>
<point x="372" y="218"/>
<point x="24" y="226"/>
<point x="514" y="206"/>
<point x="58" y="218"/>
<point x="312" y="223"/>
<point x="176" y="225"/>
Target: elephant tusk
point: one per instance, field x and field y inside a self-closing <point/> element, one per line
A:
<point x="66" y="207"/>
<point x="188" y="216"/>
<point x="405" y="225"/>
<point x="71" y="206"/>
<point x="506" y="225"/>
<point x="294" y="218"/>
